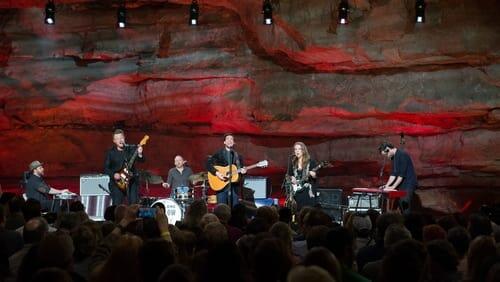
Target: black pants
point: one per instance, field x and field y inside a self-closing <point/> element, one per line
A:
<point x="405" y="203"/>
<point x="118" y="197"/>
<point x="302" y="198"/>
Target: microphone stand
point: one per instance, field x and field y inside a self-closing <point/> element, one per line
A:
<point x="230" y="176"/>
<point x="381" y="173"/>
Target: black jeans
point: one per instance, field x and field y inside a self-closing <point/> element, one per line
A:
<point x="118" y="197"/>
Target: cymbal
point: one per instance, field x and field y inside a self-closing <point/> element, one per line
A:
<point x="198" y="177"/>
<point x="149" y="177"/>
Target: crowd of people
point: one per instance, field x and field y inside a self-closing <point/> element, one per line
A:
<point x="238" y="244"/>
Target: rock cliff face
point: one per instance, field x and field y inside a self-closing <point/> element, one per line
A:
<point x="340" y="89"/>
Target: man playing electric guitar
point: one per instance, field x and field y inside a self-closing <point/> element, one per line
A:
<point x="116" y="158"/>
<point x="224" y="157"/>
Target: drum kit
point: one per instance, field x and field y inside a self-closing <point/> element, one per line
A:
<point x="175" y="206"/>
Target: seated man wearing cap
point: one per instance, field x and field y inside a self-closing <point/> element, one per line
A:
<point x="37" y="189"/>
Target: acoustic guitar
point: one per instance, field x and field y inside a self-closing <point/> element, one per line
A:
<point x="125" y="173"/>
<point x="217" y="184"/>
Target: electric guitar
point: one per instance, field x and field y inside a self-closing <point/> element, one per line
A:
<point x="125" y="173"/>
<point x="217" y="184"/>
<point x="302" y="184"/>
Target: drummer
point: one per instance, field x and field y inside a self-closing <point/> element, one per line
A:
<point x="178" y="177"/>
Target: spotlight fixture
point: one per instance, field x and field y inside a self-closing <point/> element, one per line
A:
<point x="420" y="11"/>
<point x="50" y="13"/>
<point x="121" y="17"/>
<point x="267" y="10"/>
<point x="194" y="12"/>
<point x="343" y="12"/>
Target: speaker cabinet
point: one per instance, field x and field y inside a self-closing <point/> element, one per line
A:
<point x="260" y="186"/>
<point x="329" y="197"/>
<point x="94" y="194"/>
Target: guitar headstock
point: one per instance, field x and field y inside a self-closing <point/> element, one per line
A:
<point x="263" y="163"/>
<point x="144" y="140"/>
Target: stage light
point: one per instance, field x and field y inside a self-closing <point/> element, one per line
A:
<point x="343" y="12"/>
<point x="50" y="13"/>
<point x="194" y="12"/>
<point x="121" y="17"/>
<point x="420" y="11"/>
<point x="267" y="10"/>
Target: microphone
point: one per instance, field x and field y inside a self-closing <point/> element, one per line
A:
<point x="402" y="138"/>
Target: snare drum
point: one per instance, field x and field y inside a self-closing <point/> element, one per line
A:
<point x="172" y="209"/>
<point x="183" y="193"/>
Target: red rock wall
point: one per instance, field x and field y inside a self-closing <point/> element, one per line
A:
<point x="341" y="89"/>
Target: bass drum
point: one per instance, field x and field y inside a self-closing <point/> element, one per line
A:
<point x="172" y="209"/>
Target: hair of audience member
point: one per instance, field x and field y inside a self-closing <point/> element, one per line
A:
<point x="16" y="204"/>
<point x="68" y="221"/>
<point x="76" y="206"/>
<point x="481" y="249"/>
<point x="395" y="233"/>
<point x="95" y="228"/>
<point x="215" y="234"/>
<point x="302" y="214"/>
<point x="282" y="231"/>
<point x="285" y="215"/>
<point x="383" y="221"/>
<point x="493" y="274"/>
<point x="433" y="232"/>
<point x="447" y="222"/>
<point x="3" y="215"/>
<point x="34" y="230"/>
<point x="404" y="261"/>
<point x="150" y="229"/>
<point x="177" y="273"/>
<point x="460" y="239"/>
<point x="119" y="213"/>
<point x="270" y="260"/>
<point x="194" y="213"/>
<point x="185" y="243"/>
<point x="223" y="212"/>
<point x="32" y="208"/>
<point x="245" y="246"/>
<point x="256" y="225"/>
<point x="340" y="242"/>
<point x="415" y="223"/>
<point x="29" y="264"/>
<point x="238" y="216"/>
<point x="316" y="217"/>
<point x="269" y="215"/>
<point x="107" y="227"/>
<point x="479" y="225"/>
<point x="82" y="216"/>
<point x="154" y="256"/>
<point x="51" y="274"/>
<point x="310" y="273"/>
<point x="208" y="218"/>
<point x="56" y="250"/>
<point x="373" y="214"/>
<point x="85" y="242"/>
<point x="442" y="260"/>
<point x="109" y="213"/>
<point x="361" y="226"/>
<point x="122" y="264"/>
<point x="322" y="257"/>
<point x="316" y="236"/>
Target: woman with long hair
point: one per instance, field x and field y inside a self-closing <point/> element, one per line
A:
<point x="301" y="177"/>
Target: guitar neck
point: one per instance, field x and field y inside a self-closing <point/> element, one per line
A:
<point x="132" y="159"/>
<point x="249" y="167"/>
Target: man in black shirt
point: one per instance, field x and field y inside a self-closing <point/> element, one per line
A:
<point x="224" y="157"/>
<point x="37" y="189"/>
<point x="178" y="176"/>
<point x="403" y="174"/>
<point x="115" y="160"/>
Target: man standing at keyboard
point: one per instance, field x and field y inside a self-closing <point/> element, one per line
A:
<point x="403" y="176"/>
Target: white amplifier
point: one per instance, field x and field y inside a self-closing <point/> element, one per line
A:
<point x="258" y="184"/>
<point x="94" y="194"/>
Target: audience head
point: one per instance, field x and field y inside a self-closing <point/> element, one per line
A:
<point x="282" y="231"/>
<point x="51" y="274"/>
<point x="323" y="258"/>
<point x="311" y="273"/>
<point x="208" y="218"/>
<point x="109" y="213"/>
<point x="56" y="250"/>
<point x="177" y="273"/>
<point x="340" y="242"/>
<point x="154" y="256"/>
<point x="442" y="260"/>
<point x="384" y="221"/>
<point x="215" y="233"/>
<point x="481" y="249"/>
<point x="223" y="213"/>
<point x="479" y="225"/>
<point x="316" y="236"/>
<point x="271" y="260"/>
<point x="404" y="261"/>
<point x="194" y="213"/>
<point x="34" y="230"/>
<point x="285" y="215"/>
<point x="76" y="206"/>
<point x="395" y="233"/>
<point x="32" y="209"/>
<point x="85" y="242"/>
<point x="119" y="213"/>
<point x="433" y="232"/>
<point x="460" y="239"/>
<point x="268" y="214"/>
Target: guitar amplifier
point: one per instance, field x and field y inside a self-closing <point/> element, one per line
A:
<point x="258" y="184"/>
<point x="93" y="194"/>
<point x="94" y="184"/>
<point x="363" y="202"/>
<point x="329" y="197"/>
